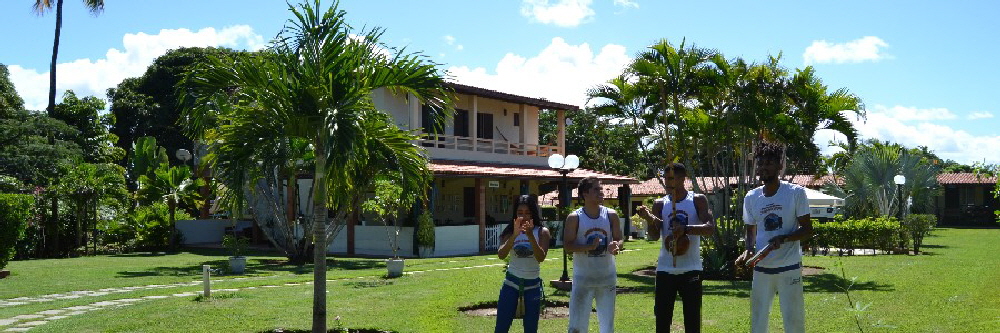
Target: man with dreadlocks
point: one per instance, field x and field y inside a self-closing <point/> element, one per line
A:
<point x="783" y="210"/>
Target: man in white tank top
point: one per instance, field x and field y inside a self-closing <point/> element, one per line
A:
<point x="683" y="214"/>
<point x="783" y="211"/>
<point x="594" y="236"/>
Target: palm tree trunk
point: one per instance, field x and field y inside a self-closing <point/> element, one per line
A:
<point x="55" y="55"/>
<point x="172" y="203"/>
<point x="319" y="240"/>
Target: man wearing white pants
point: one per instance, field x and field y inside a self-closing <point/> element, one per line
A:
<point x="783" y="211"/>
<point x="593" y="234"/>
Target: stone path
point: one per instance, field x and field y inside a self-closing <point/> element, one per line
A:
<point x="25" y="322"/>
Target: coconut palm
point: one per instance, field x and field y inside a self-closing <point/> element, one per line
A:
<point x="315" y="82"/>
<point x="41" y="7"/>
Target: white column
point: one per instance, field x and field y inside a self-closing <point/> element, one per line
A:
<point x="414" y="107"/>
<point x="474" y="120"/>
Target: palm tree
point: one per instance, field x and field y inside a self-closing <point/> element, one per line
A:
<point x="174" y="186"/>
<point x="869" y="188"/>
<point x="314" y="83"/>
<point x="43" y="6"/>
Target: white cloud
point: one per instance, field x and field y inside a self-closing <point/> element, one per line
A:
<point x="905" y="113"/>
<point x="945" y="141"/>
<point x="563" y="13"/>
<point x="980" y="115"/>
<point x="560" y="73"/>
<point x="864" y="49"/>
<point x="450" y="40"/>
<point x="627" y="3"/>
<point x="93" y="77"/>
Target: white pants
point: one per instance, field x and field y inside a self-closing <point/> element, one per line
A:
<point x="580" y="299"/>
<point x="788" y="286"/>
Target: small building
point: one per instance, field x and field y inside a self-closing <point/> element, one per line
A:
<point x="967" y="200"/>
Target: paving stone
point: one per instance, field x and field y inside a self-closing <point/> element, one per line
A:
<point x="100" y="293"/>
<point x="105" y="303"/>
<point x="155" y="297"/>
<point x="34" y="323"/>
<point x="6" y="322"/>
<point x="15" y="303"/>
<point x="50" y="312"/>
<point x="69" y="297"/>
<point x="31" y="316"/>
<point x="57" y="317"/>
<point x="17" y="329"/>
<point x="76" y="313"/>
<point x="126" y="300"/>
<point x="78" y="308"/>
<point x="227" y="290"/>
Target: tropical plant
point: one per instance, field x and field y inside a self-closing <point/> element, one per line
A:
<point x="869" y="188"/>
<point x="424" y="234"/>
<point x="386" y="204"/>
<point x="237" y="245"/>
<point x="315" y="82"/>
<point x="98" y="195"/>
<point x="919" y="226"/>
<point x="42" y="6"/>
<point x="172" y="185"/>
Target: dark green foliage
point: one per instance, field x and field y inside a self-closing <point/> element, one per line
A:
<point x="721" y="249"/>
<point x="150" y="226"/>
<point x="425" y="229"/>
<point x="880" y="233"/>
<point x="10" y="184"/>
<point x="148" y="105"/>
<point x="10" y="100"/>
<point x="15" y="209"/>
<point x="26" y="153"/>
<point x="97" y="143"/>
<point x="919" y="226"/>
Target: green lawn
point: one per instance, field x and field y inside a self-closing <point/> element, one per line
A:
<point x="952" y="289"/>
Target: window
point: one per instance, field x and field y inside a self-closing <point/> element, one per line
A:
<point x="427" y="117"/>
<point x="461" y="122"/>
<point x="517" y="119"/>
<point x="484" y="125"/>
<point x="469" y="201"/>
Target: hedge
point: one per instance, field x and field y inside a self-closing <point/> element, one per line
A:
<point x="879" y="233"/>
<point x="15" y="209"/>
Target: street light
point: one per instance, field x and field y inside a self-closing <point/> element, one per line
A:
<point x="900" y="180"/>
<point x="564" y="166"/>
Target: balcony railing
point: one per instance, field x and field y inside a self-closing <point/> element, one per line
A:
<point x="493" y="146"/>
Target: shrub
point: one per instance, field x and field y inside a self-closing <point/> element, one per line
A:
<point x="721" y="249"/>
<point x="236" y="244"/>
<point x="425" y="229"/>
<point x="15" y="209"/>
<point x="918" y="226"/>
<point x="151" y="225"/>
<point x="879" y="233"/>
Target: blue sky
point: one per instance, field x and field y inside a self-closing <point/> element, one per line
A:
<point x="925" y="69"/>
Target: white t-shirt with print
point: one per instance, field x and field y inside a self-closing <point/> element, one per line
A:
<point x="776" y="215"/>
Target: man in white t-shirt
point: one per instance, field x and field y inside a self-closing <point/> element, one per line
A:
<point x="776" y="214"/>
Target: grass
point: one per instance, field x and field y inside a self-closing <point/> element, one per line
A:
<point x="951" y="289"/>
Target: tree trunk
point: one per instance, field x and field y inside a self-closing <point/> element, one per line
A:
<point x="55" y="55"/>
<point x="319" y="239"/>
<point x="172" y="204"/>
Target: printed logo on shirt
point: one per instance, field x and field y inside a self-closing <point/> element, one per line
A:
<point x="769" y="208"/>
<point x="680" y="216"/>
<point x="600" y="234"/>
<point x="522" y="248"/>
<point x="772" y="222"/>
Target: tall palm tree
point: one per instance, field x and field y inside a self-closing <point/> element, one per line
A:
<point x="315" y="82"/>
<point x="41" y="7"/>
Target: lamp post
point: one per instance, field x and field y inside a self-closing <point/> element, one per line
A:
<point x="564" y="166"/>
<point x="900" y="180"/>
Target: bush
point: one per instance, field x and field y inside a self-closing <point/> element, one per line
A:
<point x="10" y="184"/>
<point x="918" y="226"/>
<point x="15" y="209"/>
<point x="719" y="252"/>
<point x="425" y="229"/>
<point x="150" y="226"/>
<point x="879" y="233"/>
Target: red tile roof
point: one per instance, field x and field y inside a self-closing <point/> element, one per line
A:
<point x="507" y="97"/>
<point x="495" y="170"/>
<point x="965" y="178"/>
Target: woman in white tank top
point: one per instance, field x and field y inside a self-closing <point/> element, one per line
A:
<point x="526" y="241"/>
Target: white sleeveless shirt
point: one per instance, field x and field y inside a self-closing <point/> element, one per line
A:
<point x="688" y="214"/>
<point x="522" y="257"/>
<point x="594" y="268"/>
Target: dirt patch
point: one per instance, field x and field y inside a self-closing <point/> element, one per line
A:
<point x="627" y="290"/>
<point x="553" y="309"/>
